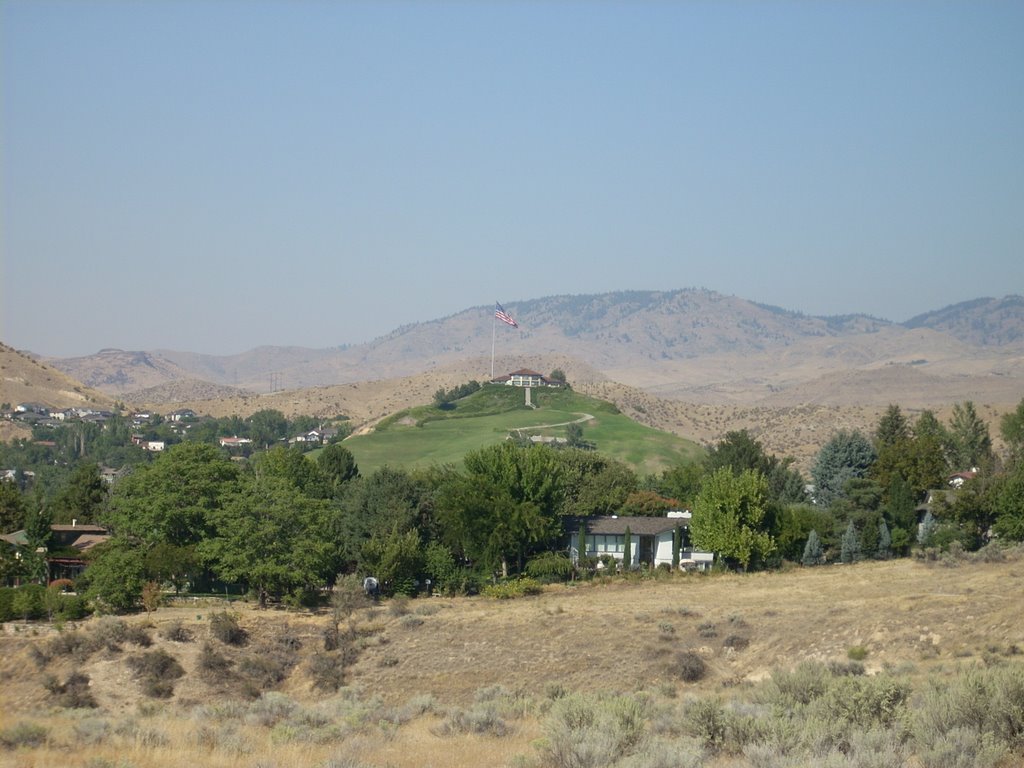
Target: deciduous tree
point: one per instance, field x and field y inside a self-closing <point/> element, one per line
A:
<point x="729" y="516"/>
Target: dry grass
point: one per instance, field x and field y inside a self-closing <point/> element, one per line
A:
<point x="472" y="653"/>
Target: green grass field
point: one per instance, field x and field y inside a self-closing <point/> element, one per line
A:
<point x="427" y="435"/>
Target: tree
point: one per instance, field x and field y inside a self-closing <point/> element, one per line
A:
<point x="1008" y="504"/>
<point x="813" y="552"/>
<point x="847" y="455"/>
<point x="739" y="451"/>
<point x="892" y="429"/>
<point x="729" y="516"/>
<point x="84" y="495"/>
<point x="969" y="442"/>
<point x="268" y="426"/>
<point x="591" y="484"/>
<point x="850" y="545"/>
<point x="115" y="576"/>
<point x="171" y="499"/>
<point x="292" y="466"/>
<point x="1011" y="427"/>
<point x="269" y="536"/>
<point x="396" y="560"/>
<point x="884" y="551"/>
<point x="12" y="507"/>
<point x="337" y="464"/>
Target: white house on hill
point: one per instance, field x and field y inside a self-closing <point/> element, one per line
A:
<point x="650" y="540"/>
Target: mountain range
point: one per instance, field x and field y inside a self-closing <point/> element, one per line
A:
<point x="693" y="344"/>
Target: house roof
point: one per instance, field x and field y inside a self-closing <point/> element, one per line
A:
<point x="616" y="526"/>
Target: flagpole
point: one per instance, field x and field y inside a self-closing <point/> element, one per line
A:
<point x="494" y="325"/>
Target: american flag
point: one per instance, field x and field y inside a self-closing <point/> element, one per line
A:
<point x="505" y="317"/>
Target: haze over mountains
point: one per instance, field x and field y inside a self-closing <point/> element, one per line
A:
<point x="692" y="344"/>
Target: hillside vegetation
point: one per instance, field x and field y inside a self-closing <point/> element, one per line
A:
<point x="888" y="663"/>
<point x="429" y="434"/>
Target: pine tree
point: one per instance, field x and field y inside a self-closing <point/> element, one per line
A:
<point x="813" y="553"/>
<point x="850" y="545"/>
<point x="884" y="542"/>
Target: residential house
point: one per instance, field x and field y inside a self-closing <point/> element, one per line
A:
<point x="234" y="442"/>
<point x="69" y="543"/>
<point x="182" y="414"/>
<point x="650" y="540"/>
<point x="958" y="479"/>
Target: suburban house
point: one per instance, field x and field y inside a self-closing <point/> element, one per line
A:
<point x="320" y="436"/>
<point x="524" y="377"/>
<point x="234" y="442"/>
<point x="182" y="414"/>
<point x="958" y="479"/>
<point x="69" y="543"/>
<point x="650" y="540"/>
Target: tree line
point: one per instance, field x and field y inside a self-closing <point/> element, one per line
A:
<point x="283" y="525"/>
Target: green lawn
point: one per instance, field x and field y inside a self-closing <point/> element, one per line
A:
<point x="426" y="435"/>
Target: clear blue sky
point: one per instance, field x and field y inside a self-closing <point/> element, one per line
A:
<point x="212" y="175"/>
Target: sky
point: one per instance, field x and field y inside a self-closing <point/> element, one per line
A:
<point x="215" y="175"/>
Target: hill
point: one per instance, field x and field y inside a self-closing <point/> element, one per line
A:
<point x="470" y="681"/>
<point x="23" y="379"/>
<point x="427" y="435"/>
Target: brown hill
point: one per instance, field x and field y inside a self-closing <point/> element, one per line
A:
<point x="25" y="379"/>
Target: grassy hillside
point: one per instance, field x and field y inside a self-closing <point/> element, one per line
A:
<point x="427" y="435"/>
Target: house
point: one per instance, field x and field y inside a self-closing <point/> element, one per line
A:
<point x="69" y="543"/>
<point x="182" y="414"/>
<point x="650" y="540"/>
<point x="524" y="377"/>
<point x="234" y="442"/>
<point x="958" y="479"/>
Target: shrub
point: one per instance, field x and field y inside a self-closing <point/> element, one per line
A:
<point x="157" y="670"/>
<point x="550" y="566"/>
<point x="29" y="602"/>
<point x="514" y="588"/>
<point x="73" y="693"/>
<point x="225" y="628"/>
<point x="327" y="671"/>
<point x="736" y="642"/>
<point x="23" y="735"/>
<point x="857" y="652"/>
<point x="215" y="664"/>
<point x="6" y="604"/>
<point x="707" y="629"/>
<point x="689" y="666"/>
<point x="72" y="608"/>
<point x="176" y="632"/>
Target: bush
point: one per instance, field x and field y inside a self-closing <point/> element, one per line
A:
<point x="29" y="602"/>
<point x="216" y="666"/>
<point x="72" y="608"/>
<point x="225" y="627"/>
<point x="689" y="666"/>
<point x="857" y="653"/>
<point x="508" y="590"/>
<point x="550" y="566"/>
<point x="327" y="671"/>
<point x="176" y="632"/>
<point x="157" y="671"/>
<point x="73" y="693"/>
<point x="6" y="603"/>
<point x="23" y="735"/>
